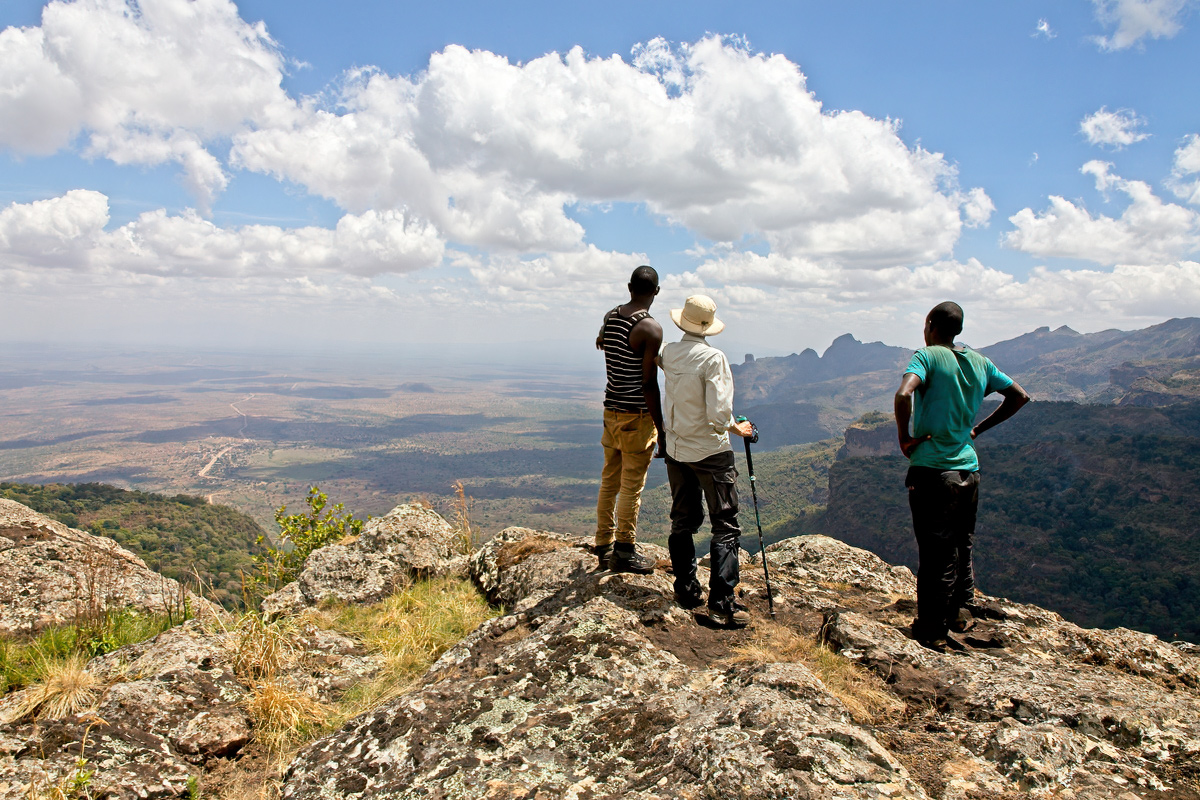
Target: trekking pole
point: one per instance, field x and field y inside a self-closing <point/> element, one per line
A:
<point x="754" y="493"/>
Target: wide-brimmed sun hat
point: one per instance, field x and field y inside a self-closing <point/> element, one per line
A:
<point x="698" y="315"/>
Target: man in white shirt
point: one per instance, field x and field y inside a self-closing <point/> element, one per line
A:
<point x="697" y="420"/>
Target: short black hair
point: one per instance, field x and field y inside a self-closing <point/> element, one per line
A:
<point x="643" y="281"/>
<point x="947" y="318"/>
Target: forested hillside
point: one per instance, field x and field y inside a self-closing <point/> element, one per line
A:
<point x="180" y="536"/>
<point x="1089" y="510"/>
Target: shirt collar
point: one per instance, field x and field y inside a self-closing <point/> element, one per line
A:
<point x="692" y="337"/>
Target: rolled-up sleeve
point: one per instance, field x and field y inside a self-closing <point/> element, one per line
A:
<point x="718" y="396"/>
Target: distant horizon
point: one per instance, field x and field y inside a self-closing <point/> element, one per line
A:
<point x="459" y="354"/>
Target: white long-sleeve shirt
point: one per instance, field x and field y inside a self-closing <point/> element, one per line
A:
<point x="698" y="407"/>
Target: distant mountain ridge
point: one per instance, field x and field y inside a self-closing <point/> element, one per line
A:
<point x="765" y="378"/>
<point x="1065" y="365"/>
<point x="805" y="397"/>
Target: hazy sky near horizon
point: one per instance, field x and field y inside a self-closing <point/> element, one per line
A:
<point x="298" y="173"/>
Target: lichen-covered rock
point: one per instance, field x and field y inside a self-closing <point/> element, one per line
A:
<point x="513" y="565"/>
<point x="820" y="559"/>
<point x="408" y="542"/>
<point x="585" y="705"/>
<point x="598" y="685"/>
<point x="125" y="761"/>
<point x="182" y="686"/>
<point x="1048" y="704"/>
<point x="51" y="575"/>
<point x="167" y="707"/>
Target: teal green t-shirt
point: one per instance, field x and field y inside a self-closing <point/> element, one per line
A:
<point x="953" y="385"/>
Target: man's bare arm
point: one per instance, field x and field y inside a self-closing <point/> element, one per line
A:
<point x="904" y="407"/>
<point x="647" y="335"/>
<point x="1014" y="398"/>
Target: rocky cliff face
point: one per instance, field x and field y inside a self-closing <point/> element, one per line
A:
<point x="871" y="435"/>
<point x="51" y="574"/>
<point x="598" y="685"/>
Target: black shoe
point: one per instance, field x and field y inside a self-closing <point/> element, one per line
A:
<point x="626" y="558"/>
<point x="732" y="615"/>
<point x="689" y="601"/>
<point x="603" y="552"/>
<point x="938" y="645"/>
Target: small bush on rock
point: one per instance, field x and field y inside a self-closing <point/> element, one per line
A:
<point x="299" y="535"/>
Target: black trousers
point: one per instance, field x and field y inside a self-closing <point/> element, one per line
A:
<point x="711" y="482"/>
<point x="944" y="505"/>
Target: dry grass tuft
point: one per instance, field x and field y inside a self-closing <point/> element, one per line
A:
<point x="466" y="533"/>
<point x="260" y="648"/>
<point x="282" y="714"/>
<point x="410" y="630"/>
<point x="65" y="688"/>
<point x="514" y="553"/>
<point x="863" y="693"/>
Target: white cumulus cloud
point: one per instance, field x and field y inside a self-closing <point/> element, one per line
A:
<point x="1148" y="231"/>
<point x="1114" y="129"/>
<point x="724" y="141"/>
<point x="58" y="232"/>
<point x="69" y="232"/>
<point x="145" y="82"/>
<point x="1136" y="20"/>
<point x="1185" y="174"/>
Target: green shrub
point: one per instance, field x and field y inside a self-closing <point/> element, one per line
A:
<point x="299" y="535"/>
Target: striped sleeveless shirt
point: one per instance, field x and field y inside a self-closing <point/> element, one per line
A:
<point x="623" y="392"/>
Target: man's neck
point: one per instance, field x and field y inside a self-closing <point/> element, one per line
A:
<point x="640" y="303"/>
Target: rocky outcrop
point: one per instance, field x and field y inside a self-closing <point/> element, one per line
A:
<point x="409" y="541"/>
<point x="871" y="435"/>
<point x="167" y="708"/>
<point x="598" y="685"/>
<point x="51" y="574"/>
<point x="582" y="693"/>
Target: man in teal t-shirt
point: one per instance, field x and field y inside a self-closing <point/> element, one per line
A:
<point x="941" y="392"/>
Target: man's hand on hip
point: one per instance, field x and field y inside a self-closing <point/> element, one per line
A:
<point x="908" y="444"/>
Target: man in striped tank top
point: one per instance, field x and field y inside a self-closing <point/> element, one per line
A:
<point x="630" y="339"/>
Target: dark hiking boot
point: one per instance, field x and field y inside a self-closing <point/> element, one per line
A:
<point x="933" y="639"/>
<point x="690" y="600"/>
<point x="938" y="645"/>
<point x="603" y="553"/>
<point x="626" y="558"/>
<point x="731" y="615"/>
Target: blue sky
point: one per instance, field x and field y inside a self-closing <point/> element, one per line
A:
<point x="302" y="172"/>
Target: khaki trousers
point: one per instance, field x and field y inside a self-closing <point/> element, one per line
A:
<point x="628" y="441"/>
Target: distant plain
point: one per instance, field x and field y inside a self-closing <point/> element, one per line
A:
<point x="254" y="431"/>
